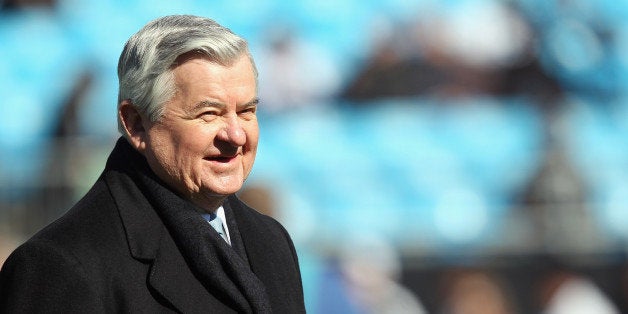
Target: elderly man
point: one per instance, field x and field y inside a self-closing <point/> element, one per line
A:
<point x="161" y="229"/>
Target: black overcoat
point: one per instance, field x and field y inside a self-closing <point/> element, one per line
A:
<point x="131" y="245"/>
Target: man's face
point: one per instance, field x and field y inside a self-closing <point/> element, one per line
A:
<point x="205" y="143"/>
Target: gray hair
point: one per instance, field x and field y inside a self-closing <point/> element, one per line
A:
<point x="146" y="63"/>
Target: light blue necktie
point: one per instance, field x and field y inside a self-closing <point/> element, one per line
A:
<point x="216" y="223"/>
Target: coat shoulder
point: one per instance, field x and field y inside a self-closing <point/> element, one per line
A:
<point x="91" y="225"/>
<point x="41" y="276"/>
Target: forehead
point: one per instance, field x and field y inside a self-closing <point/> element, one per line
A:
<point x="200" y="77"/>
<point x="242" y="66"/>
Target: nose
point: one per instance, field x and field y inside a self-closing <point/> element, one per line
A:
<point x="233" y="132"/>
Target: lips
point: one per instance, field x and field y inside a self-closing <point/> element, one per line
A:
<point x="221" y="159"/>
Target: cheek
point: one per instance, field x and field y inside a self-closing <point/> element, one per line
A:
<point x="253" y="135"/>
<point x="162" y="158"/>
<point x="252" y="141"/>
<point x="196" y="142"/>
<point x="175" y="149"/>
<point x="160" y="146"/>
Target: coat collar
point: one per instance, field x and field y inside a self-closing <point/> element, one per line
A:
<point x="143" y="227"/>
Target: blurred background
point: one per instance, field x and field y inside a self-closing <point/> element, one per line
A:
<point x="427" y="156"/>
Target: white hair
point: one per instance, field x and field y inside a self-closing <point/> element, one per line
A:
<point x="149" y="56"/>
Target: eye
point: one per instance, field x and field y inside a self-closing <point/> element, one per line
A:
<point x="208" y="115"/>
<point x="248" y="110"/>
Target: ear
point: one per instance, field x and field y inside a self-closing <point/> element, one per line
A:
<point x="133" y="125"/>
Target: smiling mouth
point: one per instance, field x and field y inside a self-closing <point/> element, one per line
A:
<point x="221" y="159"/>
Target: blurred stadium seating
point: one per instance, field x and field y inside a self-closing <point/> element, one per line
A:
<point x="416" y="156"/>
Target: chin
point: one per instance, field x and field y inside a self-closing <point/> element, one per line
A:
<point x="226" y="189"/>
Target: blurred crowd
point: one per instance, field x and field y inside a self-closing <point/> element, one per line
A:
<point x="369" y="65"/>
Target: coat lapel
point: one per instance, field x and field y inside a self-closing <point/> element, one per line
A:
<point x="216" y="265"/>
<point x="171" y="278"/>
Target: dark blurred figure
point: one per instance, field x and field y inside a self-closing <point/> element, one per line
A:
<point x="432" y="58"/>
<point x="13" y="5"/>
<point x="474" y="291"/>
<point x="389" y="72"/>
<point x="556" y="195"/>
<point x="386" y="73"/>
<point x="65" y="156"/>
<point x="63" y="160"/>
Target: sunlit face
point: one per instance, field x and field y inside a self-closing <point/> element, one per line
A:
<point x="205" y="143"/>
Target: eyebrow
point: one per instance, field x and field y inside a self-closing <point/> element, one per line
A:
<point x="222" y="106"/>
<point x="253" y="102"/>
